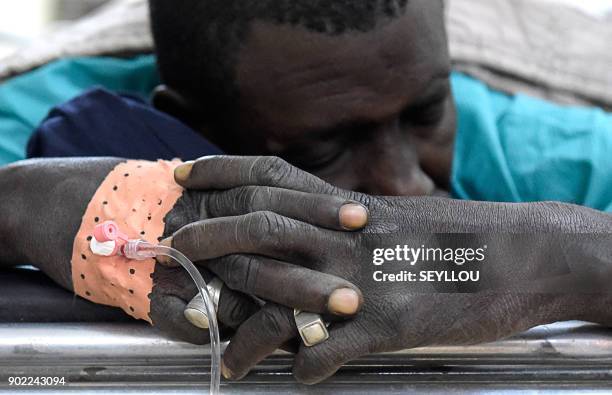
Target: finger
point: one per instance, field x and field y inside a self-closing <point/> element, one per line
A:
<point x="233" y="309"/>
<point x="293" y="286"/>
<point x="173" y="289"/>
<point x="258" y="337"/>
<point x="226" y="172"/>
<point x="346" y="342"/>
<point x="261" y="233"/>
<point x="167" y="315"/>
<point x="329" y="211"/>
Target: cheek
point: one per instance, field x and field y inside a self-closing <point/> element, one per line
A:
<point x="388" y="170"/>
<point x="436" y="153"/>
<point x="342" y="175"/>
<point x="449" y="127"/>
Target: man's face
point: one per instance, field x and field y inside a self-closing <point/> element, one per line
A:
<point x="371" y="112"/>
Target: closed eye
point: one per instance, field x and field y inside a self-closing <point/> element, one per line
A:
<point x="430" y="115"/>
<point x="426" y="114"/>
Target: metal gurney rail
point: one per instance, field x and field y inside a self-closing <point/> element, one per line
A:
<point x="133" y="358"/>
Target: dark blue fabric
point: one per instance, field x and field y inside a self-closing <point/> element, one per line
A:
<point x="101" y="123"/>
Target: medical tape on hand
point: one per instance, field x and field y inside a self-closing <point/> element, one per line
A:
<point x="137" y="195"/>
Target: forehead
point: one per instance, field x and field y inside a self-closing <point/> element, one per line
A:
<point x="296" y="80"/>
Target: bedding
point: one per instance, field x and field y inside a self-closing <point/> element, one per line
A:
<point x="516" y="148"/>
<point x="512" y="148"/>
<point x="542" y="48"/>
<point x="26" y="100"/>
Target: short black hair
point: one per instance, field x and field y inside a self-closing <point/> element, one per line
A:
<point x="196" y="41"/>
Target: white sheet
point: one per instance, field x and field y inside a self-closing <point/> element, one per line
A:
<point x="594" y="7"/>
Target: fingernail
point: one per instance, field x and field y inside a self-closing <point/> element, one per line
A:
<point x="225" y="371"/>
<point x="182" y="172"/>
<point x="167" y="242"/>
<point x="164" y="260"/>
<point x="353" y="216"/>
<point x="343" y="301"/>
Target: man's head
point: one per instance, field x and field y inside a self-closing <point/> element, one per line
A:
<point x="356" y="92"/>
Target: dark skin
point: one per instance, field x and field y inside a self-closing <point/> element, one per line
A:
<point x="371" y="112"/>
<point x="40" y="228"/>
<point x="257" y="221"/>
<point x="368" y="112"/>
<point x="329" y="131"/>
<point x="520" y="290"/>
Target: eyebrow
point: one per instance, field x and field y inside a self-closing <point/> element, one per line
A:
<point x="436" y="94"/>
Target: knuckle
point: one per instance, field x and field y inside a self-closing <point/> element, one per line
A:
<point x="274" y="322"/>
<point x="232" y="310"/>
<point x="218" y="203"/>
<point x="250" y="274"/>
<point x="253" y="198"/>
<point x="253" y="228"/>
<point x="188" y="208"/>
<point x="319" y="362"/>
<point x="189" y="237"/>
<point x="314" y="365"/>
<point x="267" y="229"/>
<point x="277" y="227"/>
<point x="273" y="170"/>
<point x="269" y="223"/>
<point x="227" y="268"/>
<point x="245" y="197"/>
<point x="243" y="273"/>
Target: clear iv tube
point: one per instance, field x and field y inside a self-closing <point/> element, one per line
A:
<point x="137" y="249"/>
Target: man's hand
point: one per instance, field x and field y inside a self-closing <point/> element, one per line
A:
<point x="273" y="245"/>
<point x="44" y="201"/>
<point x="269" y="279"/>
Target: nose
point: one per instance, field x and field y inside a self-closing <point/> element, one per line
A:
<point x="386" y="181"/>
<point x="389" y="166"/>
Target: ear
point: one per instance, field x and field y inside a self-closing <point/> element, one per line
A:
<point x="166" y="99"/>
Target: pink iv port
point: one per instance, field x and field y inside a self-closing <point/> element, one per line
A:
<point x="108" y="241"/>
<point x="109" y="231"/>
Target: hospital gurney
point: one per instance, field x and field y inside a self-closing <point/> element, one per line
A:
<point x="134" y="358"/>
